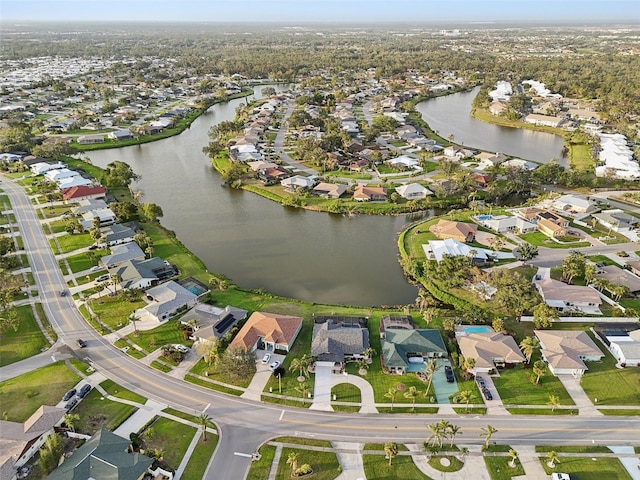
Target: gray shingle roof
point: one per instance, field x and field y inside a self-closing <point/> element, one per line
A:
<point x="333" y="342"/>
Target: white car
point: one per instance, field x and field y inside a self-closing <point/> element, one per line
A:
<point x="96" y="268"/>
<point x="181" y="348"/>
<point x="560" y="476"/>
<point x="274" y="365"/>
<point x="266" y="358"/>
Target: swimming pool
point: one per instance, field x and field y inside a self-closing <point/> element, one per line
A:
<point x="477" y="329"/>
<point x="482" y="218"/>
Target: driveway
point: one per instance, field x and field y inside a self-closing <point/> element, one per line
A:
<point x="262" y="375"/>
<point x="582" y="401"/>
<point x="322" y="389"/>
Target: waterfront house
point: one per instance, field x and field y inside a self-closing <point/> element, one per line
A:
<point x="292" y="184"/>
<point x="407" y="350"/>
<point x="210" y="321"/>
<point x="334" y="343"/>
<point x="143" y="274"/>
<point x="364" y="193"/>
<point x="413" y="191"/>
<point x="116" y="234"/>
<point x="490" y="350"/>
<point x="90" y="139"/>
<point x="83" y="192"/>
<point x="166" y="301"/>
<point x="268" y="331"/>
<point x="122" y="253"/>
<point x="460" y="231"/>
<point x="329" y="190"/>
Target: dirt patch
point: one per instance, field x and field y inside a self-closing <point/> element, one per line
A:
<point x="96" y="422"/>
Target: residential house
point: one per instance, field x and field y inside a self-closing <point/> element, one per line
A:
<point x="574" y="204"/>
<point x="634" y="266"/>
<point x="333" y="343"/>
<point x="395" y="322"/>
<point x="41" y="167"/>
<point x="552" y="225"/>
<point x="212" y="322"/>
<point x="167" y="300"/>
<point x="437" y="249"/>
<point x="83" y="192"/>
<point x="497" y="107"/>
<point x="490" y="350"/>
<point x="364" y="193"/>
<point x="460" y="231"/>
<point x="104" y="456"/>
<point x="482" y="180"/>
<point x="90" y="139"/>
<point x="519" y="163"/>
<point x="329" y="190"/>
<point x="530" y="214"/>
<point x="292" y="184"/>
<point x="69" y="182"/>
<point x="116" y="234"/>
<point x="120" y="135"/>
<point x="566" y="351"/>
<point x="404" y="162"/>
<point x="543" y="120"/>
<point x="274" y="174"/>
<point x="104" y="215"/>
<point x="618" y="276"/>
<point x="260" y="165"/>
<point x="143" y="273"/>
<point x="569" y="298"/>
<point x="623" y="341"/>
<point x="122" y="253"/>
<point x="504" y="223"/>
<point x="407" y="350"/>
<point x="454" y="151"/>
<point x="20" y="441"/>
<point x="59" y="173"/>
<point x="617" y="220"/>
<point x="413" y="191"/>
<point x="269" y="331"/>
<point x="87" y="205"/>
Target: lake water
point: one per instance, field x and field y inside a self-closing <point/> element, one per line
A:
<point x="295" y="253"/>
<point x="451" y="115"/>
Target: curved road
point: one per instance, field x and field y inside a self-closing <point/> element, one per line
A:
<point x="244" y="425"/>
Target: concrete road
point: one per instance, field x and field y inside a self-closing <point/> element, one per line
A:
<point x="244" y="424"/>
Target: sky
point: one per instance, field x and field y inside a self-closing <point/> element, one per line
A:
<point x="326" y="11"/>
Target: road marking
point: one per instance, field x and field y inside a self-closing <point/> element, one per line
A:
<point x="282" y="415"/>
<point x="240" y="454"/>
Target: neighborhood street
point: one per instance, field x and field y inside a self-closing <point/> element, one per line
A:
<point x="245" y="424"/>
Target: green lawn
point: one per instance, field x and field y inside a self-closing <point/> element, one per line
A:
<point x="376" y="467"/>
<point x="171" y="437"/>
<point x="97" y="412"/>
<point x="260" y="470"/>
<point x="81" y="261"/>
<point x="23" y="395"/>
<point x="117" y="391"/>
<point x="58" y="226"/>
<point x="56" y="211"/>
<point x="573" y="449"/>
<point x="167" y="333"/>
<point x="499" y="469"/>
<point x="27" y="341"/>
<point x="589" y="468"/>
<point x="200" y="457"/>
<point x="324" y="464"/>
<point x="541" y="240"/>
<point x="69" y="243"/>
<point x="455" y="463"/>
<point x="515" y="388"/>
<point x="346" y="392"/>
<point x="611" y="385"/>
<point x="115" y="311"/>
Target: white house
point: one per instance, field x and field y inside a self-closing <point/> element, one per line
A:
<point x="58" y="174"/>
<point x="167" y="300"/>
<point x="43" y="167"/>
<point x="574" y="203"/>
<point x="404" y="161"/>
<point x="413" y="191"/>
<point x="625" y="348"/>
<point x="503" y="223"/>
<point x="291" y="184"/>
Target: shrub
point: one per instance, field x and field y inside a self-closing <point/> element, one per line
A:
<point x="304" y="470"/>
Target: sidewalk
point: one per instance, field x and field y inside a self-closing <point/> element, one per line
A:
<point x="351" y="463"/>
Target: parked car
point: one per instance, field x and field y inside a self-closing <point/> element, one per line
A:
<point x="69" y="394"/>
<point x="93" y="247"/>
<point x="86" y="388"/>
<point x="487" y="394"/>
<point x="274" y="365"/>
<point x="448" y="371"/>
<point x="70" y="404"/>
<point x="181" y="348"/>
<point x="480" y="382"/>
<point x="81" y="343"/>
<point x="266" y="358"/>
<point x="95" y="268"/>
<point x="103" y="278"/>
<point x="560" y="476"/>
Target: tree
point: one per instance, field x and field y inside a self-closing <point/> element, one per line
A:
<point x="514" y="456"/>
<point x="552" y="459"/>
<point x="539" y="369"/>
<point x="125" y="211"/>
<point x="436" y="434"/>
<point x="302" y="388"/>
<point x="302" y="365"/>
<point x="589" y="273"/>
<point x="554" y="401"/>
<point x="487" y="433"/>
<point x="529" y="345"/>
<point x="432" y="368"/>
<point x="151" y="212"/>
<point x="204" y="421"/>
<point x="452" y="431"/>
<point x="119" y="174"/>
<point x="391" y="393"/>
<point x="498" y="325"/>
<point x="390" y="450"/>
<point x="544" y="315"/>
<point x="412" y="393"/>
<point x="525" y="252"/>
<point x="292" y="460"/>
<point x="572" y="266"/>
<point x="465" y="396"/>
<point x="50" y="453"/>
<point x="238" y="363"/>
<point x="70" y="419"/>
<point x="209" y="350"/>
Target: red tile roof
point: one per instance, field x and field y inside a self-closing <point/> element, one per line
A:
<point x="82" y="191"/>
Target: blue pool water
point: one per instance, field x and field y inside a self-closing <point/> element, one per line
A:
<point x="485" y="217"/>
<point x="479" y="329"/>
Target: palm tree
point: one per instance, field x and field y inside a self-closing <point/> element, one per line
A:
<point x="302" y="389"/>
<point x="292" y="460"/>
<point x="391" y="393"/>
<point x="204" y="420"/>
<point x="554" y="401"/>
<point x="487" y="433"/>
<point x="514" y="456"/>
<point x="529" y="345"/>
<point x="70" y="419"/>
<point x="391" y="450"/>
<point x="452" y="431"/>
<point x="552" y="459"/>
<point x="301" y="364"/>
<point x="436" y="434"/>
<point x="466" y="396"/>
<point x="412" y="393"/>
<point x="540" y="369"/>
<point x="432" y="368"/>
